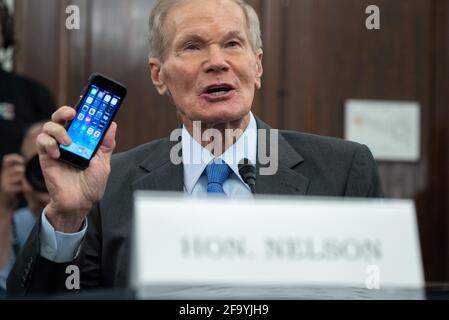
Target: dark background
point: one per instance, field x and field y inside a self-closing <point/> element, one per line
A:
<point x="318" y="53"/>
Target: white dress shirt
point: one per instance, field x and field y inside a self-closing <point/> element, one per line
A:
<point x="62" y="247"/>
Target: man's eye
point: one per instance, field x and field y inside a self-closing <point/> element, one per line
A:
<point x="233" y="44"/>
<point x="192" y="46"/>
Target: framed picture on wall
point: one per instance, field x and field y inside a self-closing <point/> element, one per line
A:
<point x="391" y="129"/>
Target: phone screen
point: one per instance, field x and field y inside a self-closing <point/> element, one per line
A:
<point x="95" y="113"/>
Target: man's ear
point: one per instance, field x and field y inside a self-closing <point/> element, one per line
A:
<point x="259" y="68"/>
<point x="156" y="75"/>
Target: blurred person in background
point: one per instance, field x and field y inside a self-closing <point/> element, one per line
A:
<point x="22" y="100"/>
<point x="21" y="174"/>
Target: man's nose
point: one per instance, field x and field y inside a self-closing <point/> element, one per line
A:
<point x="216" y="62"/>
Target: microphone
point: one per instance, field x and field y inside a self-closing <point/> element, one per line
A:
<point x="248" y="173"/>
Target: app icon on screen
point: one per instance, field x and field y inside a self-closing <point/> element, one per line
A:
<point x="92" y="111"/>
<point x="90" y="131"/>
<point x="97" y="134"/>
<point x="85" y="108"/>
<point x="98" y="115"/>
<point x="114" y="101"/>
<point x="96" y="103"/>
<point x="101" y="95"/>
<point x="88" y="119"/>
<point x="94" y="91"/>
<point x="107" y="98"/>
<point x="81" y="117"/>
<point x="89" y="100"/>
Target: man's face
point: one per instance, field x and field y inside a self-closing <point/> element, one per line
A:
<point x="210" y="69"/>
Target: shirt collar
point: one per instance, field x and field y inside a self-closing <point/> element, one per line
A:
<point x="195" y="158"/>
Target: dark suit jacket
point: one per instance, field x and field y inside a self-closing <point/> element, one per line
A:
<point x="308" y="165"/>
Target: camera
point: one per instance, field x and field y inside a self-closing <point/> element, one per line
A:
<point x="34" y="175"/>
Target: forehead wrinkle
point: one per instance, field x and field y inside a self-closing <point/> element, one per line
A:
<point x="199" y="36"/>
<point x="176" y="23"/>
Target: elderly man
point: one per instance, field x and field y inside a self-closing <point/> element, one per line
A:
<point x="207" y="58"/>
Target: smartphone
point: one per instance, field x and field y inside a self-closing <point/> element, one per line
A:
<point x="99" y="103"/>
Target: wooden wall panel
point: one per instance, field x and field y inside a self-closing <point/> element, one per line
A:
<point x="37" y="46"/>
<point x="439" y="171"/>
<point x="272" y="84"/>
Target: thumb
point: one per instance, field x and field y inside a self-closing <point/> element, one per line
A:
<point x="108" y="144"/>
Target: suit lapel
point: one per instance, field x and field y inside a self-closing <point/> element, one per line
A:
<point x="160" y="174"/>
<point x="286" y="180"/>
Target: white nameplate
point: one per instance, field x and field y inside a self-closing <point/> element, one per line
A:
<point x="273" y="248"/>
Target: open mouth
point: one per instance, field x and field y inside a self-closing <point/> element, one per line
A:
<point x="219" y="90"/>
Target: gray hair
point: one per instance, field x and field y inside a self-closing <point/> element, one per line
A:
<point x="158" y="43"/>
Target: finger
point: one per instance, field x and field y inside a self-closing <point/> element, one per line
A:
<point x="46" y="145"/>
<point x="58" y="132"/>
<point x="108" y="144"/>
<point x="12" y="159"/>
<point x="10" y="166"/>
<point x="13" y="168"/>
<point x="14" y="175"/>
<point x="12" y="178"/>
<point x="63" y="114"/>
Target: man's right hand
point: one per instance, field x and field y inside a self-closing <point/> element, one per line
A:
<point x="72" y="192"/>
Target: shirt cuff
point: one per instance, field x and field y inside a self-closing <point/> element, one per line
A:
<point x="57" y="246"/>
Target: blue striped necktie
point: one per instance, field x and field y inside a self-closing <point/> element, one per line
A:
<point x="217" y="174"/>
